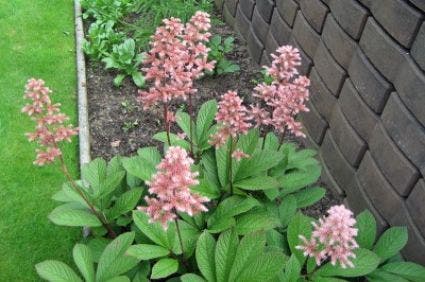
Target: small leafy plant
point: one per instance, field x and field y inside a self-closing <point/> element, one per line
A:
<point x="106" y="10"/>
<point x="218" y="50"/>
<point x="126" y="60"/>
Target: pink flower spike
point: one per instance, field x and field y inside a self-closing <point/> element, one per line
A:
<point x="50" y="128"/>
<point x="333" y="237"/>
<point x="170" y="189"/>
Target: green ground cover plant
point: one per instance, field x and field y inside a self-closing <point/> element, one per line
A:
<point x="37" y="39"/>
<point x="221" y="200"/>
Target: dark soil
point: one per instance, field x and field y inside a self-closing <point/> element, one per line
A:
<point x="120" y="126"/>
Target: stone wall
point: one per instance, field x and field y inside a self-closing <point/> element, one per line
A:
<point x="366" y="62"/>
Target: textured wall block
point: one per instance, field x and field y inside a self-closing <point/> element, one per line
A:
<point x="349" y="143"/>
<point x="331" y="73"/>
<point x="405" y="131"/>
<point x="416" y="207"/>
<point x="259" y="25"/>
<point x="330" y="183"/>
<point x="306" y="62"/>
<point x="358" y="201"/>
<point x="371" y="85"/>
<point x="231" y="6"/>
<point x="247" y="7"/>
<point x="315" y="13"/>
<point x="350" y="16"/>
<point x="396" y="168"/>
<point x="338" y="42"/>
<point x="265" y="8"/>
<point x="305" y="35"/>
<point x="380" y="192"/>
<point x="255" y="46"/>
<point x="418" y="50"/>
<point x="320" y="96"/>
<point x="314" y="123"/>
<point x="420" y="4"/>
<point x="358" y="114"/>
<point x="384" y="53"/>
<point x="338" y="166"/>
<point x="416" y="243"/>
<point x="271" y="45"/>
<point x="242" y="23"/>
<point x="398" y="18"/>
<point x="410" y="85"/>
<point x="219" y="4"/>
<point x="228" y="17"/>
<point x="265" y="59"/>
<point x="288" y="10"/>
<point x="280" y="30"/>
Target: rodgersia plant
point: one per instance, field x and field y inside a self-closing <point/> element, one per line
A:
<point x="228" y="212"/>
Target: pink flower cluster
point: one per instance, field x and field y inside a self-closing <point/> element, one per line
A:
<point x="285" y="97"/>
<point x="50" y="128"/>
<point x="177" y="57"/>
<point x="232" y="117"/>
<point x="171" y="189"/>
<point x="333" y="237"/>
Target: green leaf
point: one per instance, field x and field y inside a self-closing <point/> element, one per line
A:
<point x="292" y="269"/>
<point x="175" y="140"/>
<point x="147" y="252"/>
<point x="380" y="275"/>
<point x="95" y="173"/>
<point x="271" y="142"/>
<point x="164" y="268"/>
<point x="119" y="78"/>
<point x="409" y="270"/>
<point x="254" y="221"/>
<point x="205" y="253"/>
<point x="206" y="189"/>
<point x="391" y="242"/>
<point x="56" y="271"/>
<point x="138" y="79"/>
<point x="299" y="225"/>
<point x="205" y="120"/>
<point x="366" y="225"/>
<point x="309" y="196"/>
<point x="153" y="231"/>
<point x="297" y="180"/>
<point x="222" y="158"/>
<point x="113" y="261"/>
<point x="250" y="248"/>
<point x="311" y="264"/>
<point x="150" y="155"/>
<point x="73" y="217"/>
<point x="84" y="261"/>
<point x="190" y="277"/>
<point x="119" y="279"/>
<point x="364" y="263"/>
<point x="287" y="209"/>
<point x="183" y="120"/>
<point x="261" y="161"/>
<point x="126" y="202"/>
<point x="139" y="167"/>
<point x="257" y="183"/>
<point x="266" y="266"/>
<point x="225" y="253"/>
<point x="97" y="245"/>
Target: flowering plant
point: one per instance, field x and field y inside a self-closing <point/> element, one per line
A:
<point x="224" y="202"/>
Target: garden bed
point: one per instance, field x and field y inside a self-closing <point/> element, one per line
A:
<point x="120" y="126"/>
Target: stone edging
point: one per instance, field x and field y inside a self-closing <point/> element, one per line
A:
<point x="83" y="120"/>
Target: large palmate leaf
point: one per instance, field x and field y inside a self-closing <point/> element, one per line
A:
<point x="84" y="260"/>
<point x="67" y="216"/>
<point x="364" y="263"/>
<point x="147" y="252"/>
<point x="113" y="261"/>
<point x="299" y="225"/>
<point x="366" y="225"/>
<point x="174" y="139"/>
<point x="309" y="196"/>
<point x="391" y="242"/>
<point x="408" y="270"/>
<point x="126" y="202"/>
<point x="204" y="121"/>
<point x="164" y="267"/>
<point x="294" y="181"/>
<point x="154" y="231"/>
<point x="257" y="183"/>
<point x="205" y="253"/>
<point x="225" y="253"/>
<point x="144" y="164"/>
<point x="258" y="163"/>
<point x="56" y="271"/>
<point x="256" y="220"/>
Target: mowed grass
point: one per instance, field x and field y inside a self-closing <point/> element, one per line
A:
<point x="37" y="40"/>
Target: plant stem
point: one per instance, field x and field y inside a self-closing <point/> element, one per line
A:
<point x="191" y="125"/>
<point x="167" y="124"/>
<point x="179" y="235"/>
<point x="281" y="138"/>
<point x="230" y="170"/>
<point x="74" y="185"/>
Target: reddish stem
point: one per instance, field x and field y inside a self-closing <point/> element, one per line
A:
<point x="167" y="124"/>
<point x="192" y="153"/>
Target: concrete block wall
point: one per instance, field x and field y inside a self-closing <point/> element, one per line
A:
<point x="366" y="63"/>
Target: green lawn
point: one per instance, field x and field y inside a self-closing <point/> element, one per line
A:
<point x="37" y="40"/>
